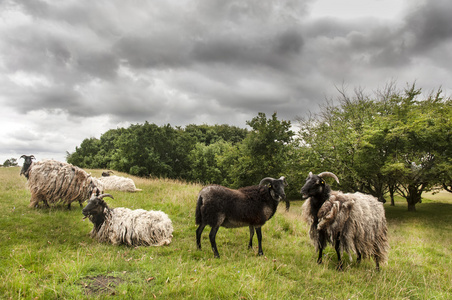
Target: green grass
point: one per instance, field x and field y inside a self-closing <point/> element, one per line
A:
<point x="47" y="254"/>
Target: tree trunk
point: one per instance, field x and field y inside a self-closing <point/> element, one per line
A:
<point x="413" y="197"/>
<point x="411" y="206"/>
<point x="391" y="193"/>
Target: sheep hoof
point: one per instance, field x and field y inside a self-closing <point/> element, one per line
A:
<point x="260" y="253"/>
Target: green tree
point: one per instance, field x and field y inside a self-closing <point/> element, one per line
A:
<point x="11" y="162"/>
<point x="206" y="162"/>
<point x="392" y="143"/>
<point x="264" y="152"/>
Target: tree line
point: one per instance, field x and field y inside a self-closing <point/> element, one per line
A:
<point x="393" y="142"/>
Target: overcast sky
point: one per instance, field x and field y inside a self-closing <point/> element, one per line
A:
<point x="73" y="69"/>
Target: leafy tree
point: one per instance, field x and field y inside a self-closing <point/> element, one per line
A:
<point x="11" y="162"/>
<point x="264" y="152"/>
<point x="395" y="143"/>
<point x="207" y="162"/>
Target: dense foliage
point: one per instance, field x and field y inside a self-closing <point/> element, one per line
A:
<point x="391" y="143"/>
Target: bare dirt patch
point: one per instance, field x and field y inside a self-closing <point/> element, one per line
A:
<point x="100" y="284"/>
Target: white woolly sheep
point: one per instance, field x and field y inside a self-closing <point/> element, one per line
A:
<point x="118" y="183"/>
<point x="125" y="226"/>
<point x="349" y="222"/>
<point x="51" y="181"/>
<point x="249" y="206"/>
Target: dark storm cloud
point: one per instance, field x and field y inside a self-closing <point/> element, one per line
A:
<point x="96" y="65"/>
<point x="430" y="25"/>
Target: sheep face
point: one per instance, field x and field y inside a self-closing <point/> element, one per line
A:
<point x="314" y="186"/>
<point x="28" y="160"/>
<point x="276" y="187"/>
<point x="95" y="206"/>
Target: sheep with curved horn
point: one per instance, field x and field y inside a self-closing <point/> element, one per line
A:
<point x="250" y="206"/>
<point x="121" y="225"/>
<point x="352" y="222"/>
<point x="52" y="182"/>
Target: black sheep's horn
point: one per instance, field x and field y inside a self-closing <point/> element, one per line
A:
<point x="266" y="180"/>
<point x="105" y="195"/>
<point x="329" y="174"/>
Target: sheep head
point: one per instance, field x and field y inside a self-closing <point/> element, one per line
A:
<point x="315" y="185"/>
<point x="276" y="187"/>
<point x="28" y="160"/>
<point x="96" y="205"/>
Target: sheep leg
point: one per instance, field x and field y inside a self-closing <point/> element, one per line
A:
<point x="250" y="244"/>
<point x="319" y="259"/>
<point x="212" y="235"/>
<point x="336" y="246"/>
<point x="358" y="260"/>
<point x="377" y="262"/>
<point x="259" y="240"/>
<point x="198" y="235"/>
<point x="321" y="245"/>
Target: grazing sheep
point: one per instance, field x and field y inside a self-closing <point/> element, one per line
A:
<point x="249" y="206"/>
<point x="118" y="183"/>
<point x="52" y="181"/>
<point x="125" y="226"/>
<point x="28" y="160"/>
<point x="350" y="222"/>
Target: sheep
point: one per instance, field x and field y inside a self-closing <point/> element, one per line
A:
<point x="349" y="222"/>
<point x="107" y="173"/>
<point x="118" y="183"/>
<point x="51" y="181"/>
<point x="248" y="206"/>
<point x="125" y="226"/>
<point x="28" y="160"/>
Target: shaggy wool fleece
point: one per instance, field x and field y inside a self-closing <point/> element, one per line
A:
<point x="359" y="220"/>
<point x="52" y="181"/>
<point x="118" y="183"/>
<point x="134" y="227"/>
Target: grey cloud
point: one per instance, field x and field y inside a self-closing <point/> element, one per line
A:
<point x="430" y="24"/>
<point x="202" y="61"/>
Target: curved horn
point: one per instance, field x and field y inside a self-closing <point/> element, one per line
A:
<point x="283" y="179"/>
<point x="32" y="157"/>
<point x="105" y="195"/>
<point x="266" y="180"/>
<point x="23" y="156"/>
<point x="329" y="174"/>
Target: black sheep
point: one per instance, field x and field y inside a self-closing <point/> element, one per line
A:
<point x="249" y="206"/>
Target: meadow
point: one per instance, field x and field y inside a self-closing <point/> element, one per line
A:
<point x="47" y="253"/>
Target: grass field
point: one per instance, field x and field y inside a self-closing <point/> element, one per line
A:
<point x="47" y="253"/>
